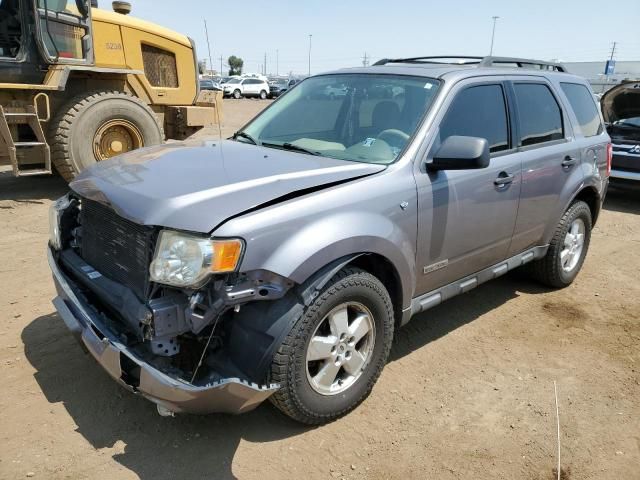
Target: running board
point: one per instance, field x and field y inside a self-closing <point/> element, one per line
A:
<point x="436" y="297"/>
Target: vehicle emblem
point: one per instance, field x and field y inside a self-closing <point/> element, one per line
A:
<point x="435" y="266"/>
<point x="404" y="205"/>
<point x="635" y="149"/>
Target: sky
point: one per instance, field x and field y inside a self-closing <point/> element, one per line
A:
<point x="343" y="31"/>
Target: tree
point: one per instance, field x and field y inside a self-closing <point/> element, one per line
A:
<point x="202" y="67"/>
<point x="235" y="65"/>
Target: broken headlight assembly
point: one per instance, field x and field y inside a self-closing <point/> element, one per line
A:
<point x="55" y="214"/>
<point x="184" y="260"/>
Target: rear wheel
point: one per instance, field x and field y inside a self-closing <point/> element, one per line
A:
<point x="332" y="357"/>
<point x="98" y="126"/>
<point x="263" y="95"/>
<point x="567" y="249"/>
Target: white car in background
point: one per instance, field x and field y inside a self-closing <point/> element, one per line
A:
<point x="238" y="87"/>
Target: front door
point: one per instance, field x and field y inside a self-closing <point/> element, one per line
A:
<point x="64" y="31"/>
<point x="466" y="217"/>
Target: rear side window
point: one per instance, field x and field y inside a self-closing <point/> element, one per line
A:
<point x="478" y="112"/>
<point x="540" y="117"/>
<point x="584" y="107"/>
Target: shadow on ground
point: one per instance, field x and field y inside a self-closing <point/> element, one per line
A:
<point x="201" y="446"/>
<point x="26" y="189"/>
<point x="623" y="197"/>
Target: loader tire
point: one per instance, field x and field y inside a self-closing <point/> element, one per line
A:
<point x="95" y="126"/>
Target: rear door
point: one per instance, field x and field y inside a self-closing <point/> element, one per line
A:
<point x="550" y="160"/>
<point x="252" y="86"/>
<point x="466" y="217"/>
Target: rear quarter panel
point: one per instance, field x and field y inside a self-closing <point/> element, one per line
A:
<point x="592" y="171"/>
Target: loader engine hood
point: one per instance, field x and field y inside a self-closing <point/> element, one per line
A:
<point x="622" y="101"/>
<point x="197" y="185"/>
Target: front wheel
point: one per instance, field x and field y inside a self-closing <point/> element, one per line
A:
<point x="332" y="357"/>
<point x="567" y="249"/>
<point x="236" y="94"/>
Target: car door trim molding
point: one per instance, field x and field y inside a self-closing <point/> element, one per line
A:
<point x="436" y="297"/>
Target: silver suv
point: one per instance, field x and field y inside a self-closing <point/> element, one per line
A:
<point x="209" y="276"/>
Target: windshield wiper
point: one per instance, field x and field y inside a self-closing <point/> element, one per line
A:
<point x="291" y="146"/>
<point x="247" y="136"/>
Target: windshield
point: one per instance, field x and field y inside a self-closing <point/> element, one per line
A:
<point x="359" y="117"/>
<point x="234" y="80"/>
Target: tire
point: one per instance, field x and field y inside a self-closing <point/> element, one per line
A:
<point x="72" y="131"/>
<point x="237" y="94"/>
<point x="549" y="270"/>
<point x="263" y="95"/>
<point x="298" y="397"/>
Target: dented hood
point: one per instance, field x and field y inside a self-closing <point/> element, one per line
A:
<point x="197" y="185"/>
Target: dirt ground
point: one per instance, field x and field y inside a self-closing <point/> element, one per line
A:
<point x="468" y="391"/>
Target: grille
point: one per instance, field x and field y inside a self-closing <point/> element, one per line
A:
<point x="159" y="67"/>
<point x="116" y="247"/>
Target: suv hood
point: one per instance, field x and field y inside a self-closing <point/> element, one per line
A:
<point x="197" y="185"/>
<point x="622" y="101"/>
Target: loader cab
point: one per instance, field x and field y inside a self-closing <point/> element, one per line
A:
<point x="37" y="33"/>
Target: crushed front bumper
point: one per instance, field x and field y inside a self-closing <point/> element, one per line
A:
<point x="229" y="395"/>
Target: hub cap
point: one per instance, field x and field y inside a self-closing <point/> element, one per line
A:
<point x="340" y="348"/>
<point x="116" y="137"/>
<point x="573" y="245"/>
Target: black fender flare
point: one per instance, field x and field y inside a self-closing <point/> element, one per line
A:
<point x="258" y="329"/>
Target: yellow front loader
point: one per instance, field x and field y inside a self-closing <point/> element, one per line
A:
<point x="79" y="84"/>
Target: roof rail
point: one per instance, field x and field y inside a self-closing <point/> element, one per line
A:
<point x="479" y="62"/>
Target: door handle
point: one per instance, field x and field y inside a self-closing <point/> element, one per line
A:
<point x="569" y="161"/>
<point x="504" y="179"/>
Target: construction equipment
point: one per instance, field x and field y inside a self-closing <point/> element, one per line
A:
<point x="79" y="84"/>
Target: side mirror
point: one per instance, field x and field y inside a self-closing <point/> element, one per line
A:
<point x="461" y="153"/>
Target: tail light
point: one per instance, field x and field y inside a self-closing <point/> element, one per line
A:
<point x="609" y="158"/>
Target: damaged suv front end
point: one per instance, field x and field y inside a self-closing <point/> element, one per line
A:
<point x="131" y="327"/>
<point x="154" y="295"/>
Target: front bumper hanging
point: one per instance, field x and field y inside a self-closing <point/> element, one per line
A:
<point x="229" y="395"/>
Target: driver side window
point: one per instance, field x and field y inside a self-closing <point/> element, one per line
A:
<point x="478" y="111"/>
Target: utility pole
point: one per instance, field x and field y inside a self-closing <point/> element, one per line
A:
<point x="277" y="61"/>
<point x="310" y="54"/>
<point x="265" y="64"/>
<point x="206" y="32"/>
<point x="493" y="33"/>
<point x="365" y="60"/>
<point x="613" y="50"/>
<point x="221" y="74"/>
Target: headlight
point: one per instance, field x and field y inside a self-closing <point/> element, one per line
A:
<point x="184" y="260"/>
<point x="55" y="212"/>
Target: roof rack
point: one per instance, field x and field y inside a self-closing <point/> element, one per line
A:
<point x="479" y="62"/>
